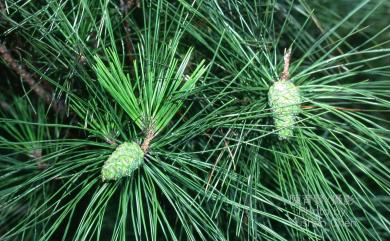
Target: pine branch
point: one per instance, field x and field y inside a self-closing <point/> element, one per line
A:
<point x="287" y="56"/>
<point x="335" y="150"/>
<point x="150" y="134"/>
<point x="28" y="78"/>
<point x="125" y="6"/>
<point x="4" y="105"/>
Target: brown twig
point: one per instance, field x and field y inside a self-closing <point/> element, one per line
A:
<point x="110" y="141"/>
<point x="27" y="77"/>
<point x="4" y="105"/>
<point x="39" y="90"/>
<point x="2" y="6"/>
<point x="125" y="7"/>
<point x="150" y="134"/>
<point x="287" y="56"/>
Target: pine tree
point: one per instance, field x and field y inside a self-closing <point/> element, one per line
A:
<point x="194" y="120"/>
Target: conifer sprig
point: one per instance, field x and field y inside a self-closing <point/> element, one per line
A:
<point x="196" y="100"/>
<point x="152" y="95"/>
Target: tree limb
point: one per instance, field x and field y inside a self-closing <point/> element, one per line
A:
<point x="28" y="78"/>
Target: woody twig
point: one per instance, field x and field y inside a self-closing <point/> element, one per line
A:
<point x="4" y="105"/>
<point x="150" y="133"/>
<point x="125" y="6"/>
<point x="147" y="140"/>
<point x="287" y="56"/>
<point x="28" y="78"/>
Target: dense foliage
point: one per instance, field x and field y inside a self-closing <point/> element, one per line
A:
<point x="188" y="84"/>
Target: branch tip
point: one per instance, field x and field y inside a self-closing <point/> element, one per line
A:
<point x="287" y="57"/>
<point x="148" y="139"/>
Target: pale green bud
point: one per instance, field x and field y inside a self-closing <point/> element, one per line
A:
<point x="284" y="100"/>
<point x="126" y="158"/>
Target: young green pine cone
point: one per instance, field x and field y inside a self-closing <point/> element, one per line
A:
<point x="284" y="100"/>
<point x="126" y="158"/>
